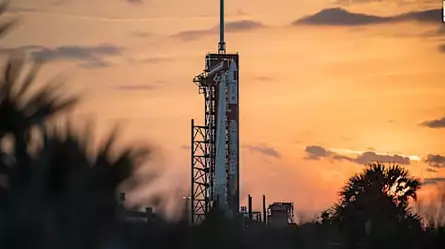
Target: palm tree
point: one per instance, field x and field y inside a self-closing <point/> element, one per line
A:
<point x="69" y="197"/>
<point x="59" y="193"/>
<point x="393" y="182"/>
<point x="377" y="198"/>
<point x="22" y="109"/>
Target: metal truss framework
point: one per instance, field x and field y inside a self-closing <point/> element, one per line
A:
<point x="203" y="154"/>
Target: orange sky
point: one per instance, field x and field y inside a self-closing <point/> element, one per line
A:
<point x="347" y="88"/>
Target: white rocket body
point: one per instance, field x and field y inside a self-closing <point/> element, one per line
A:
<point x="233" y="136"/>
<point x="220" y="185"/>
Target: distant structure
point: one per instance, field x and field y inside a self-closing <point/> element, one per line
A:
<point x="280" y="214"/>
<point x="136" y="216"/>
<point x="215" y="172"/>
<point x="251" y="217"/>
<point x="215" y="169"/>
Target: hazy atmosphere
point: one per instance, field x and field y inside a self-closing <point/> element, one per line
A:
<point x="325" y="86"/>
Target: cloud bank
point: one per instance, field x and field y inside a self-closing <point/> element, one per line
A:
<point x="264" y="150"/>
<point x="435" y="160"/>
<point x="342" y="17"/>
<point x="315" y="152"/>
<point x="434" y="123"/>
<point x="136" y="87"/>
<point x="135" y="1"/>
<point x="230" y="27"/>
<point x="433" y="180"/>
<point x="88" y="56"/>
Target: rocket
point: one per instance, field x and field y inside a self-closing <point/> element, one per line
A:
<point x="220" y="187"/>
<point x="233" y="128"/>
<point x="226" y="189"/>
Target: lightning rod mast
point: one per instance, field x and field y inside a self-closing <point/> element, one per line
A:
<point x="222" y="43"/>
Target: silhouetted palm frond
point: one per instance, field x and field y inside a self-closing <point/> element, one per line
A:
<point x="20" y="108"/>
<point x="69" y="189"/>
<point x="5" y="26"/>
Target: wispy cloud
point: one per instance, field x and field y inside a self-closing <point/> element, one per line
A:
<point x="263" y="78"/>
<point x="263" y="149"/>
<point x="433" y="180"/>
<point x="151" y="59"/>
<point x="342" y="17"/>
<point x="103" y="18"/>
<point x="135" y="1"/>
<point x="435" y="123"/>
<point x="38" y="11"/>
<point x="136" y="87"/>
<point x="88" y="56"/>
<point x="435" y="160"/>
<point x="235" y="26"/>
<point x="185" y="147"/>
<point x="440" y="31"/>
<point x="431" y="170"/>
<point x="398" y="2"/>
<point x="141" y="34"/>
<point x="315" y="152"/>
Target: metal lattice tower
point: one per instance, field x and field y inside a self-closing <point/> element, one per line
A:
<point x="203" y="154"/>
<point x="215" y="145"/>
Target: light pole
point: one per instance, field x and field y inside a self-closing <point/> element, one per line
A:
<point x="187" y="212"/>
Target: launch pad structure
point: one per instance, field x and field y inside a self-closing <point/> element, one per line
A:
<point x="215" y="172"/>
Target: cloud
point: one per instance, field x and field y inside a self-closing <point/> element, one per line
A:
<point x="263" y="149"/>
<point x="59" y="2"/>
<point x="136" y="87"/>
<point x="435" y="123"/>
<point x="431" y="170"/>
<point x="398" y="2"/>
<point x="368" y="157"/>
<point x="315" y="152"/>
<point x="435" y="160"/>
<point x="191" y="35"/>
<point x="186" y="147"/>
<point x="350" y="2"/>
<point x="435" y="33"/>
<point x="88" y="56"/>
<point x="342" y="17"/>
<point x="135" y="1"/>
<point x="89" y="53"/>
<point x="243" y="25"/>
<point x="433" y="181"/>
<point x="118" y="19"/>
<point x="152" y="60"/>
<point x="230" y="27"/>
<point x="263" y="78"/>
<point x="441" y="48"/>
<point x="141" y="34"/>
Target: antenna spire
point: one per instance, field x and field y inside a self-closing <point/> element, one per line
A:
<point x="222" y="43"/>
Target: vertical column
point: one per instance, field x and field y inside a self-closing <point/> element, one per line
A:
<point x="192" y="188"/>
<point x="233" y="132"/>
<point x="220" y="191"/>
<point x="249" y="203"/>
<point x="264" y="210"/>
<point x="222" y="43"/>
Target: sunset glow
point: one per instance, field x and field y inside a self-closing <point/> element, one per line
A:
<point x="320" y="94"/>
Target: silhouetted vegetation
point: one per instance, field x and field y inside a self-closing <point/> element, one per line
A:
<point x="57" y="191"/>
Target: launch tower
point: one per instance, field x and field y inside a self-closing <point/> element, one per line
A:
<point x="215" y="145"/>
